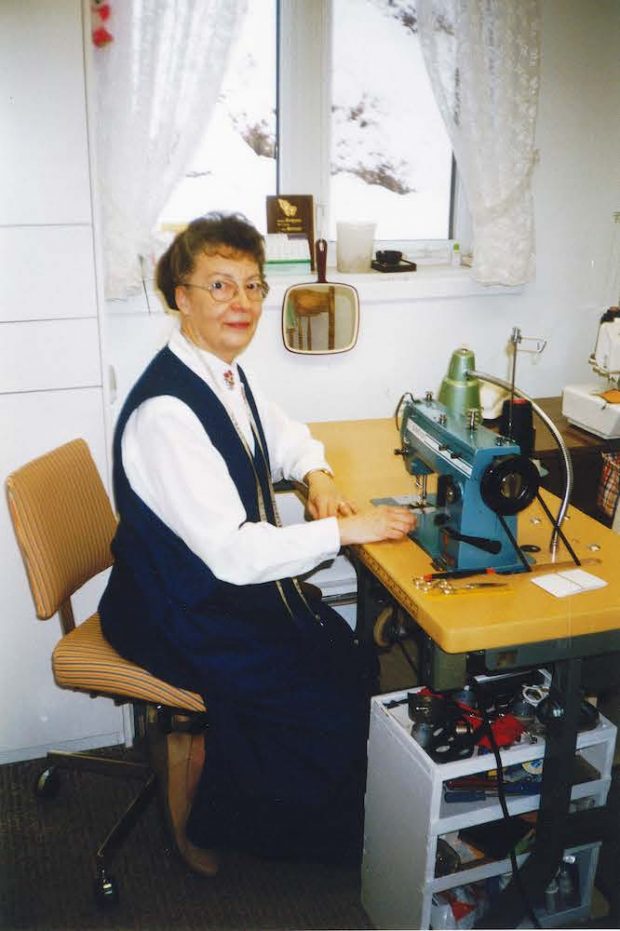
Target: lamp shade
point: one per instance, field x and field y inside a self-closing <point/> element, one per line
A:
<point x="459" y="393"/>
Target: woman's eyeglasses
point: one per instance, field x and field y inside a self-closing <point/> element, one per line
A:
<point x="224" y="289"/>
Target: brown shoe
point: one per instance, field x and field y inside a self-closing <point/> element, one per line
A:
<point x="178" y="759"/>
<point x="205" y="862"/>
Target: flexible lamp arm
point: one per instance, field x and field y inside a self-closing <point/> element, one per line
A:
<point x="568" y="466"/>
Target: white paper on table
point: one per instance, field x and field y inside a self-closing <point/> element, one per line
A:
<point x="569" y="582"/>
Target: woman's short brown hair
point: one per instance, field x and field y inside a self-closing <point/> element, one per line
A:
<point x="206" y="234"/>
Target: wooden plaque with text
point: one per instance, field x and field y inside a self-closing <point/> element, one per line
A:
<point x="292" y="214"/>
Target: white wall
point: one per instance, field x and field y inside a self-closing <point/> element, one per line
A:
<point x="50" y="356"/>
<point x="405" y="342"/>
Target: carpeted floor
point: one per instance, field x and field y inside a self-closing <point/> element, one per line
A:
<point x="48" y="865"/>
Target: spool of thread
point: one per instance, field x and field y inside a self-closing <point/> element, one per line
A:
<point x="522" y="428"/>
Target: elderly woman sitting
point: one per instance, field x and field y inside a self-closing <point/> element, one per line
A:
<point x="205" y="592"/>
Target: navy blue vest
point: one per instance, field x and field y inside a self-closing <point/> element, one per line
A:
<point x="163" y="607"/>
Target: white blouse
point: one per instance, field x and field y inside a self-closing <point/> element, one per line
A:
<point x="174" y="468"/>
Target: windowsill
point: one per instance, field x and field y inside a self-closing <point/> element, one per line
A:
<point x="429" y="282"/>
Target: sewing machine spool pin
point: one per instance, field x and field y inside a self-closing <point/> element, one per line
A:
<point x="473" y="417"/>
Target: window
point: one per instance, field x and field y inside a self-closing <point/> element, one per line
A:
<point x="234" y="167"/>
<point x="391" y="158"/>
<point x="355" y="121"/>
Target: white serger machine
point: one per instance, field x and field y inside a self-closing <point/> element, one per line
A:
<point x="596" y="407"/>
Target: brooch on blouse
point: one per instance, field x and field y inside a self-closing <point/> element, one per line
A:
<point x="229" y="378"/>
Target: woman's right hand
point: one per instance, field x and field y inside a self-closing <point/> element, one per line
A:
<point x="376" y="523"/>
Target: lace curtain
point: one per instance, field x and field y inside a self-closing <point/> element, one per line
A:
<point x="157" y="83"/>
<point x="483" y="59"/>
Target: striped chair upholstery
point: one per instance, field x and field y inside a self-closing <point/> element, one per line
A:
<point x="85" y="661"/>
<point x="64" y="524"/>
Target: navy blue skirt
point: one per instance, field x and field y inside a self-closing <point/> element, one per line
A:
<point x="285" y="772"/>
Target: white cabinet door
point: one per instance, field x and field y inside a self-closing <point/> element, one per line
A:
<point x="42" y="355"/>
<point x="44" y="175"/>
<point x="52" y="275"/>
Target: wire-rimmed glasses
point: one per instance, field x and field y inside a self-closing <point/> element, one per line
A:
<point x="226" y="289"/>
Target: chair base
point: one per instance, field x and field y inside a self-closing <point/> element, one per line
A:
<point x="104" y="765"/>
<point x="159" y="723"/>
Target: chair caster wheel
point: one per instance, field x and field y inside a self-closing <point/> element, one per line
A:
<point x="105" y="891"/>
<point x="47" y="783"/>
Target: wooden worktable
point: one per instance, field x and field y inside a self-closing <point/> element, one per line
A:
<point x="579" y="442"/>
<point x="362" y="456"/>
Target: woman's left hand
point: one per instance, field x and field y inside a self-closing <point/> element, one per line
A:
<point x="324" y="499"/>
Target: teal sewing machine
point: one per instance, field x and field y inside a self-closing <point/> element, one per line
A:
<point x="483" y="480"/>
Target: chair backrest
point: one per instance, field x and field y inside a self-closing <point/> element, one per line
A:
<point x="63" y="522"/>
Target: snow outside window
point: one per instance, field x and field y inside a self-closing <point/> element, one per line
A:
<point x="355" y="122"/>
<point x="391" y="158"/>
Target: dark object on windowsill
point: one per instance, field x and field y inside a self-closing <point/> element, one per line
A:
<point x="398" y="265"/>
<point x="389" y="256"/>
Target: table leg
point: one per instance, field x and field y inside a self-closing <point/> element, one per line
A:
<point x="554" y="824"/>
<point x="369" y="603"/>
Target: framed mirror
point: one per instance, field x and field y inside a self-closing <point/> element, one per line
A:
<point x="320" y="317"/>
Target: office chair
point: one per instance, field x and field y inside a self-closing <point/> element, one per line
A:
<point x="64" y="525"/>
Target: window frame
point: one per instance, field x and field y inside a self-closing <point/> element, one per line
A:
<point x="302" y="50"/>
<point x="303" y="42"/>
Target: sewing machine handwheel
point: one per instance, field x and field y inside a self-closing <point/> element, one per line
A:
<point x="509" y="485"/>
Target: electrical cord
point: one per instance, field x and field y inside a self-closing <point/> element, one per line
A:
<point x="557" y="529"/>
<point x="501" y="792"/>
<point x="514" y="543"/>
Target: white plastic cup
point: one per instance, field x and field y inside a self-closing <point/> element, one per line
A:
<point x="354" y="246"/>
